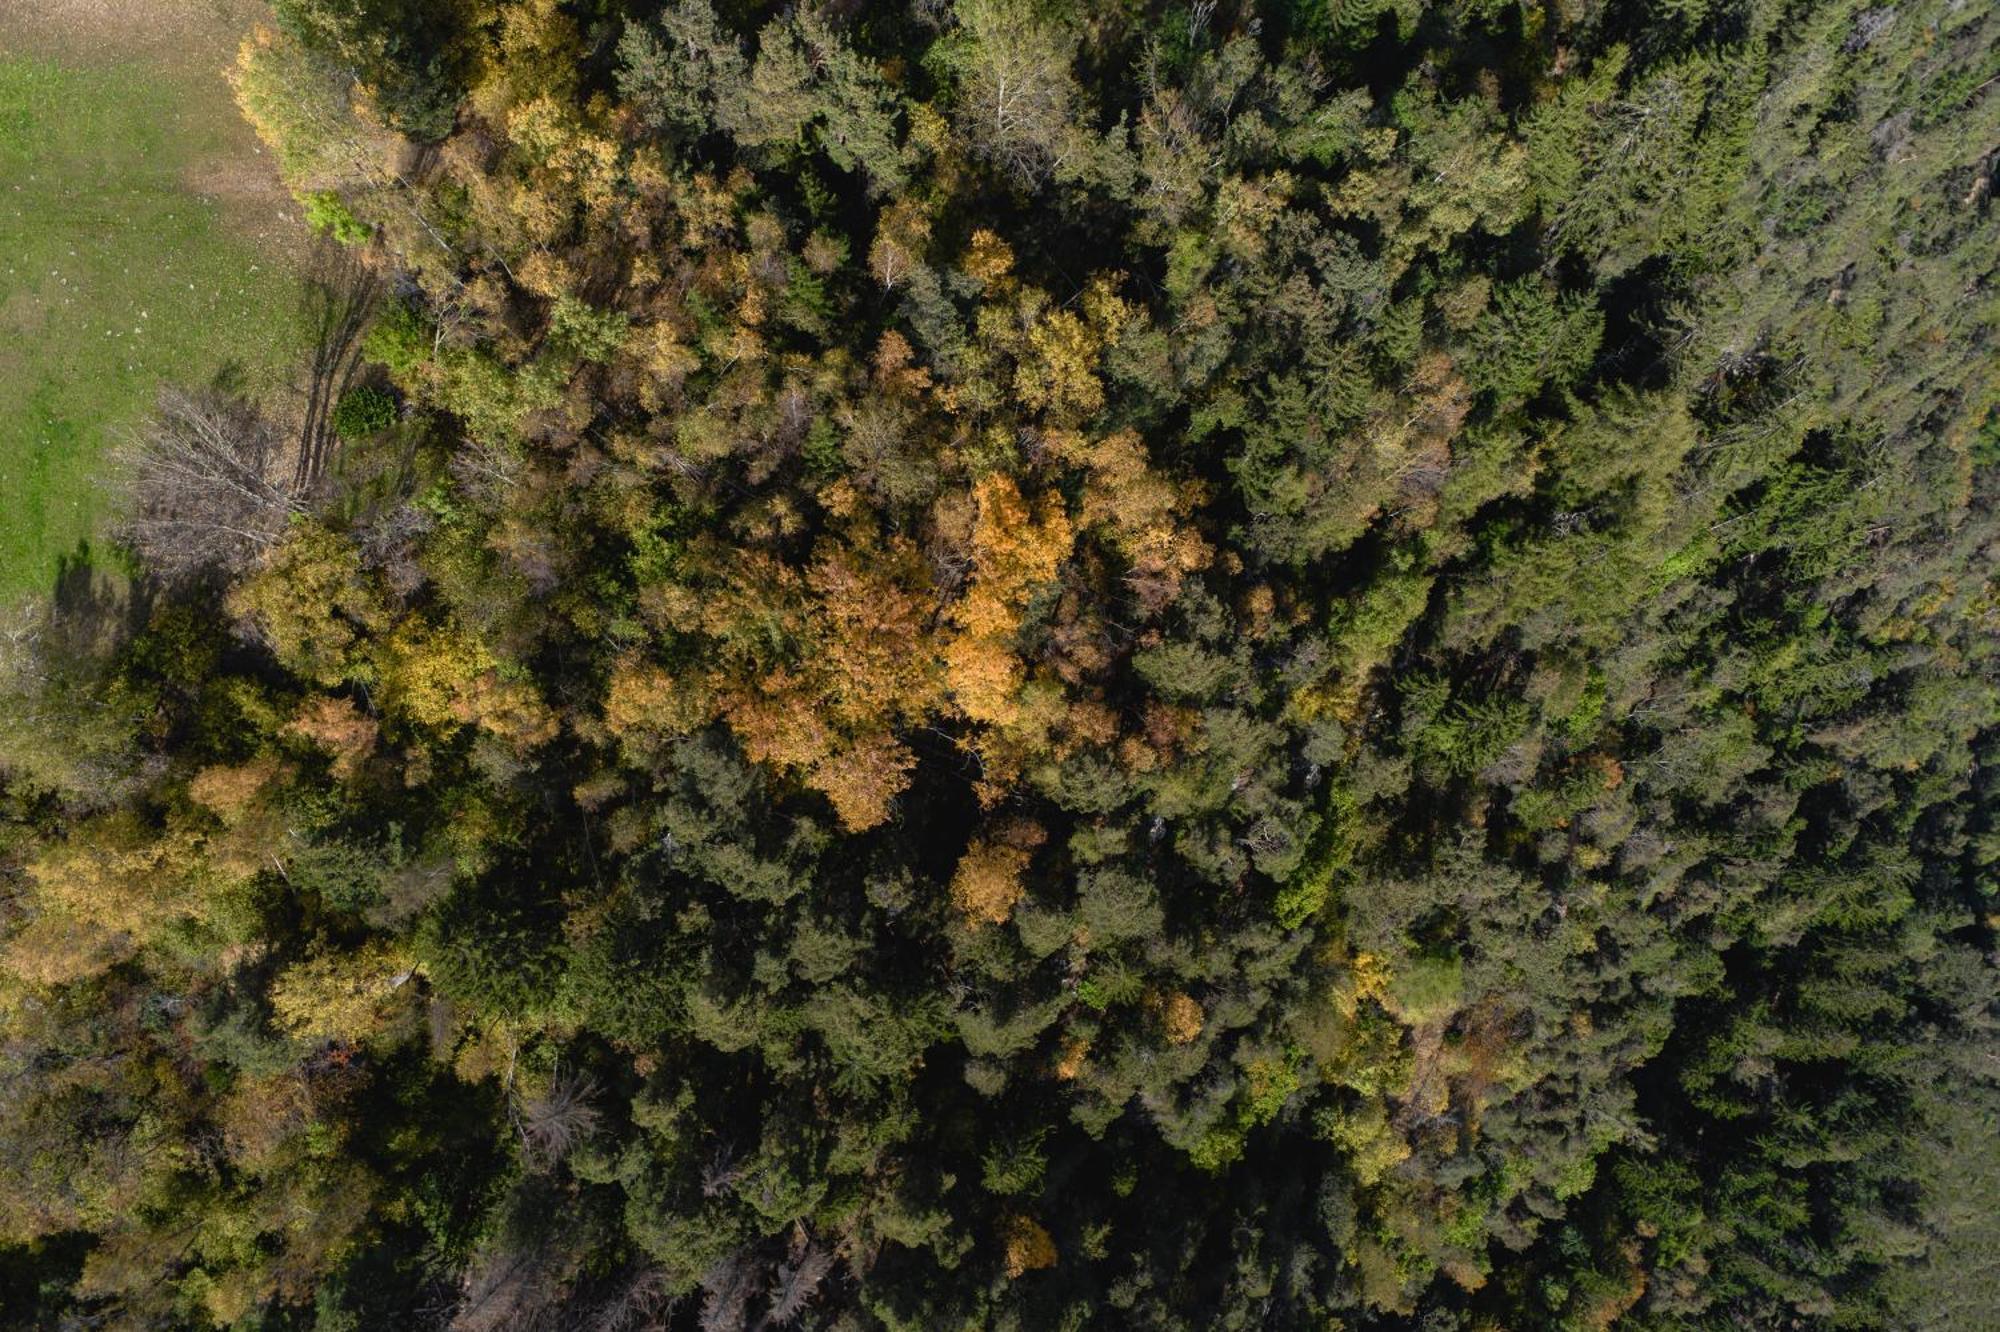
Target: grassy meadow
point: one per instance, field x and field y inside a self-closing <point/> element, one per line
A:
<point x="120" y="267"/>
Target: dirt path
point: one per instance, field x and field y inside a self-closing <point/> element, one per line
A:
<point x="128" y="29"/>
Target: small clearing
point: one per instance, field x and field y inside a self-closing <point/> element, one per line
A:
<point x="144" y="236"/>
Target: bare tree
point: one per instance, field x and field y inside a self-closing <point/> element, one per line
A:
<point x="204" y="494"/>
<point x="508" y="1287"/>
<point x="560" y="1117"/>
<point x="796" y="1284"/>
<point x="642" y="1301"/>
<point x="1022" y="105"/>
<point x="719" y="1176"/>
<point x="728" y="1288"/>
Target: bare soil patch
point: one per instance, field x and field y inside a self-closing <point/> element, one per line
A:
<point x="99" y="30"/>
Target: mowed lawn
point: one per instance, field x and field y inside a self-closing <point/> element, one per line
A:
<point x="115" y="274"/>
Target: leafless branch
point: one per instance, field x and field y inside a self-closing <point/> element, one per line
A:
<point x="555" y="1121"/>
<point x="203" y="492"/>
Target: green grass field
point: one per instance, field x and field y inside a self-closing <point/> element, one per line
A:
<point x="114" y="275"/>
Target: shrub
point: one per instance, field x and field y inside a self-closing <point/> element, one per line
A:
<point x="398" y="341"/>
<point x="362" y="412"/>
<point x="329" y="216"/>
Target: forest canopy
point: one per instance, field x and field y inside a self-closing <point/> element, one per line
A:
<point x="1003" y="664"/>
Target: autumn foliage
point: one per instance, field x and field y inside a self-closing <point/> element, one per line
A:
<point x="1019" y="665"/>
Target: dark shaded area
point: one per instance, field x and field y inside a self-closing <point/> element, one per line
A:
<point x="341" y="293"/>
<point x="993" y="664"/>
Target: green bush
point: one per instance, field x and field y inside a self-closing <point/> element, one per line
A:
<point x="398" y="341"/>
<point x="1428" y="988"/>
<point x="327" y="215"/>
<point x="362" y="412"/>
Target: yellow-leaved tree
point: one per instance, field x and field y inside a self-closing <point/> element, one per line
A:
<point x="345" y="996"/>
<point x="1016" y="549"/>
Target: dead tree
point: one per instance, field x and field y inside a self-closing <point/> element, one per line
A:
<point x="559" y="1118"/>
<point x="204" y="495"/>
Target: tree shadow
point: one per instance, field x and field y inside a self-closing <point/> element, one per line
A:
<point x="231" y="379"/>
<point x="95" y="603"/>
<point x="341" y="293"/>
